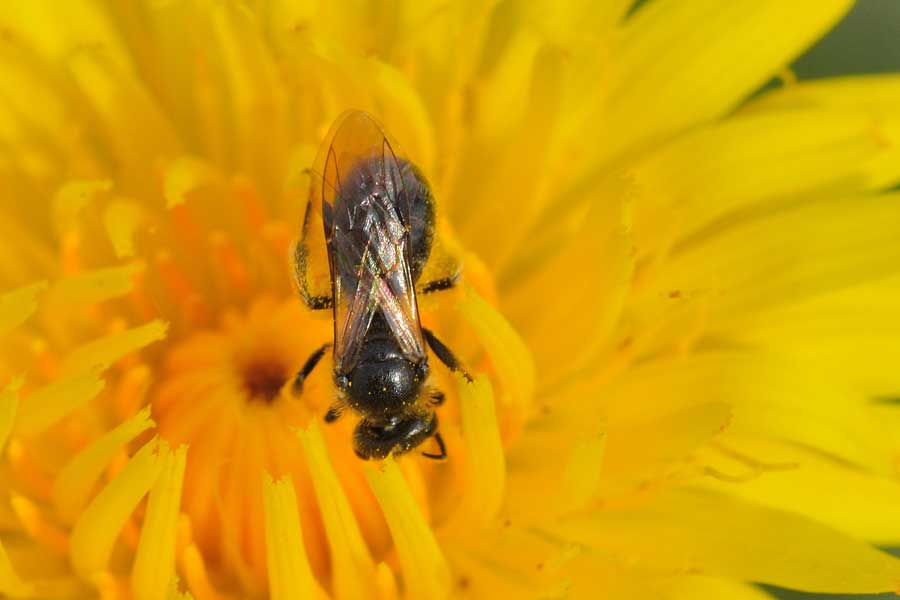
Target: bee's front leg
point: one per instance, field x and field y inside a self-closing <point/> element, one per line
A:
<point x="308" y="367"/>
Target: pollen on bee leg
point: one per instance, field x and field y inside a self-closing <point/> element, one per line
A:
<point x="99" y="525"/>
<point x="290" y="575"/>
<point x="485" y="460"/>
<point x="424" y="569"/>
<point x="353" y="570"/>
<point x="154" y="563"/>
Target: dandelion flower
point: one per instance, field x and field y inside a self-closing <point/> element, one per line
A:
<point x="679" y="299"/>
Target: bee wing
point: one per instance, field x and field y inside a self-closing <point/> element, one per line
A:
<point x="368" y="242"/>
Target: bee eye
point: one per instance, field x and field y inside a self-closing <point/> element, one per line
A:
<point x="342" y="382"/>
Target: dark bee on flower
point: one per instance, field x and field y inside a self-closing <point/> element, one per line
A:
<point x="372" y="216"/>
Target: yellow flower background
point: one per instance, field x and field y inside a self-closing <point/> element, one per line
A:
<point x="681" y="305"/>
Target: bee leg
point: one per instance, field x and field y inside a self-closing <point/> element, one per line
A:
<point x="439" y="285"/>
<point x="301" y="257"/>
<point x="437" y="397"/>
<point x="308" y="367"/>
<point x="444" y="354"/>
<point x="441" y="447"/>
<point x="334" y="413"/>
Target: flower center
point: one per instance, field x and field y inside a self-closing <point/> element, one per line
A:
<point x="225" y="389"/>
<point x="224" y="393"/>
<point x="264" y="379"/>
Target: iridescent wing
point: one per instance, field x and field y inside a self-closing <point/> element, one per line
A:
<point x="365" y="214"/>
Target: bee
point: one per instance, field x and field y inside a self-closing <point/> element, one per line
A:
<point x="372" y="215"/>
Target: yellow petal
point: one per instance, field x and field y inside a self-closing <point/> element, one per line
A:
<point x="763" y="158"/>
<point x="174" y="594"/>
<point x="587" y="295"/>
<point x="153" y="574"/>
<point x="74" y="197"/>
<point x="10" y="582"/>
<point x="485" y="459"/>
<point x="18" y="305"/>
<point x="635" y="451"/>
<point x="59" y="31"/>
<point x="257" y="104"/>
<point x="697" y="587"/>
<point x="854" y="501"/>
<point x="578" y="16"/>
<point x="404" y="113"/>
<point x="353" y="570"/>
<point x="808" y="250"/>
<point x="535" y="72"/>
<point x="121" y="220"/>
<point x="94" y="286"/>
<point x="75" y="481"/>
<point x="509" y="354"/>
<point x="873" y="94"/>
<point x="768" y="396"/>
<point x="105" y="351"/>
<point x="99" y="525"/>
<point x="673" y="73"/>
<point x="425" y="572"/>
<point x="48" y="405"/>
<point x="513" y="562"/>
<point x="716" y="535"/>
<point x="581" y="473"/>
<point x="290" y="575"/>
<point x="183" y="176"/>
<point x="127" y="120"/>
<point x="9" y="402"/>
<point x="550" y="468"/>
<point x="832" y="335"/>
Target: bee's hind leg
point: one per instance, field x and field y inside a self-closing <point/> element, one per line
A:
<point x="318" y="302"/>
<point x="444" y="354"/>
<point x="308" y="367"/>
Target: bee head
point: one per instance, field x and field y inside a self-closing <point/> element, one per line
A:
<point x="375" y="439"/>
